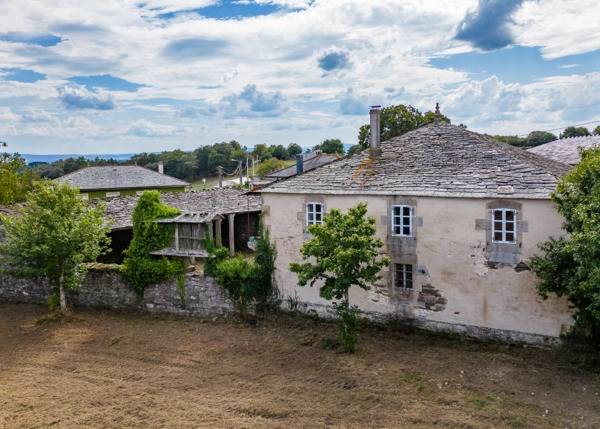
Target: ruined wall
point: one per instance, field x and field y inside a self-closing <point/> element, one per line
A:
<point x="456" y="286"/>
<point x="104" y="287"/>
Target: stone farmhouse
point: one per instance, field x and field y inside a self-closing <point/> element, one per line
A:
<point x="119" y="180"/>
<point x="459" y="213"/>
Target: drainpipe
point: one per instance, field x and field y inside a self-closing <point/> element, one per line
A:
<point x="375" y="149"/>
<point x="299" y="163"/>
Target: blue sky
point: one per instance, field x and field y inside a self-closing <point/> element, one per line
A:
<point x="100" y="77"/>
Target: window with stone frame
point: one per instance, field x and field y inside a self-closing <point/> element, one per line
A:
<point x="402" y="220"/>
<point x="314" y="214"/>
<point x="403" y="276"/>
<point x="504" y="226"/>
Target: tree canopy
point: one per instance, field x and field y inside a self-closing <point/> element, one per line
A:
<point x="331" y="146"/>
<point x="16" y="179"/>
<point x="574" y="132"/>
<point x="395" y="121"/>
<point x="571" y="265"/>
<point x="54" y="234"/>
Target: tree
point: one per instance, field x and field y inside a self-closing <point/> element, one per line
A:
<point x="395" y="121"/>
<point x="15" y="178"/>
<point x="345" y="253"/>
<point x="596" y="131"/>
<point x="261" y="152"/>
<point x="536" y="138"/>
<point x="140" y="268"/>
<point x="269" y="166"/>
<point x="55" y="233"/>
<point x="331" y="146"/>
<point x="294" y="149"/>
<point x="574" y="132"/>
<point x="571" y="265"/>
<point x="279" y="152"/>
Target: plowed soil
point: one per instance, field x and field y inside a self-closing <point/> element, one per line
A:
<point x="102" y="369"/>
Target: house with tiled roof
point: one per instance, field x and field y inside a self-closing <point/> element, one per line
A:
<point x="120" y="180"/>
<point x="566" y="150"/>
<point x="460" y="214"/>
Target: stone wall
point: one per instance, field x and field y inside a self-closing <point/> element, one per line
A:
<point x="104" y="287"/>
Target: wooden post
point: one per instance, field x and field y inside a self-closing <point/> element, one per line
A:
<point x="218" y="239"/>
<point x="231" y="235"/>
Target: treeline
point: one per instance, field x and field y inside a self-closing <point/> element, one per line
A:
<point x="536" y="138"/>
<point x="185" y="165"/>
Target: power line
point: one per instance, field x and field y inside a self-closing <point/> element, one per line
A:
<point x="562" y="128"/>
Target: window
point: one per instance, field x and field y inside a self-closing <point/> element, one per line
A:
<point x="112" y="194"/>
<point x="504" y="226"/>
<point x="402" y="220"/>
<point x="403" y="276"/>
<point x="314" y="214"/>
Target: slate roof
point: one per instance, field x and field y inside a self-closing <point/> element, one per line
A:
<point x="116" y="177"/>
<point x="308" y="164"/>
<point x="193" y="205"/>
<point x="566" y="150"/>
<point x="437" y="159"/>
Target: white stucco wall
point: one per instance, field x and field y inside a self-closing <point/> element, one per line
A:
<point x="451" y="250"/>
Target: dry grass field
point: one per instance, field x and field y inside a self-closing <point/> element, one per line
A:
<point x="101" y="369"/>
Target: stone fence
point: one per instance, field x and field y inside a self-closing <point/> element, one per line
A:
<point x="104" y="287"/>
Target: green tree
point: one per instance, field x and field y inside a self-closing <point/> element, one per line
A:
<point x="279" y="152"/>
<point x="571" y="265"/>
<point x="294" y="149"/>
<point x="331" y="146"/>
<point x="269" y="166"/>
<point x="140" y="268"/>
<point x="345" y="253"/>
<point x="536" y="138"/>
<point x="16" y="178"/>
<point x="574" y="132"/>
<point x="395" y="121"/>
<point x="596" y="131"/>
<point x="261" y="151"/>
<point x="48" y="171"/>
<point x="55" y="233"/>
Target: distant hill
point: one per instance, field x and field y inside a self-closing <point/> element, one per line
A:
<point x="51" y="158"/>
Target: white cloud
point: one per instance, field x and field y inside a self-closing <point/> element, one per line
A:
<point x="560" y="27"/>
<point x="144" y="128"/>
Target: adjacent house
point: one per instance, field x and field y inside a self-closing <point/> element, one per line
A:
<point x="459" y="213"/>
<point x="120" y="180"/>
<point x="566" y="150"/>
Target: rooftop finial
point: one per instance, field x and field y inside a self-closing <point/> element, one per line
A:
<point x="437" y="114"/>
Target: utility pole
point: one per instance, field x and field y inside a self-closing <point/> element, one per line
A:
<point x="241" y="172"/>
<point x="219" y="169"/>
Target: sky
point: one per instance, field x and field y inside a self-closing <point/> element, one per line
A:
<point x="123" y="76"/>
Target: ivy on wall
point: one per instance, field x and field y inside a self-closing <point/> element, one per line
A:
<point x="139" y="268"/>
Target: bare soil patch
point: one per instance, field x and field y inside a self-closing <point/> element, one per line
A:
<point x="102" y="369"/>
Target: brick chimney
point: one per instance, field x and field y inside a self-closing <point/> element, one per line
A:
<point x="161" y="167"/>
<point x="375" y="149"/>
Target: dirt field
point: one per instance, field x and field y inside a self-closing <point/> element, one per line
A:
<point x="99" y="369"/>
